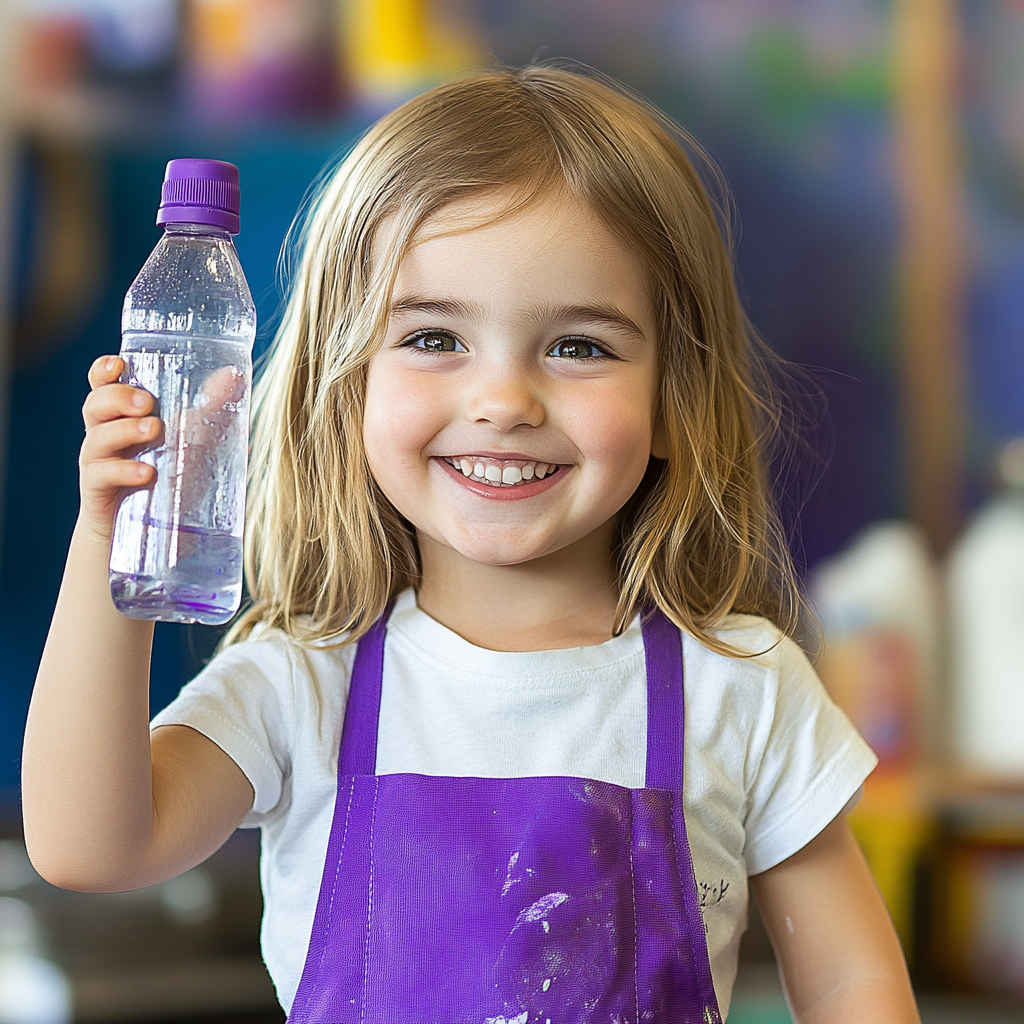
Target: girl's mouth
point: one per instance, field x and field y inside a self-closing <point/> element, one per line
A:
<point x="500" y="472"/>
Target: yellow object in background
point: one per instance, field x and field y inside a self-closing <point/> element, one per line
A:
<point x="387" y="38"/>
<point x="218" y="31"/>
<point x="394" y="48"/>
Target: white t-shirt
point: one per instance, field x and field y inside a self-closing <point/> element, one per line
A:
<point x="769" y="761"/>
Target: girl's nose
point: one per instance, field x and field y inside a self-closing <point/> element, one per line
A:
<point x="505" y="399"/>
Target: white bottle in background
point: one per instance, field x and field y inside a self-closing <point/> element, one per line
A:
<point x="878" y="606"/>
<point x="986" y="605"/>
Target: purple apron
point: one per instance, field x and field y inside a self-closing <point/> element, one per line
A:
<point x="544" y="900"/>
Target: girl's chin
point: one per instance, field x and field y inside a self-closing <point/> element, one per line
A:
<point x="497" y="551"/>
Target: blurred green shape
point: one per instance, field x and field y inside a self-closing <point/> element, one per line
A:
<point x="764" y="1010"/>
<point x="793" y="82"/>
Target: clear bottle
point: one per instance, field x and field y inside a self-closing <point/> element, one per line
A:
<point x="187" y="329"/>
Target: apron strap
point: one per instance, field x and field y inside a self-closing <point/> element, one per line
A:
<point x="358" y="754"/>
<point x="663" y="652"/>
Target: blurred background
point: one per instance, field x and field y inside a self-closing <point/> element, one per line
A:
<point x="875" y="150"/>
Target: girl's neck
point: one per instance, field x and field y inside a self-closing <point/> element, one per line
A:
<point x="566" y="599"/>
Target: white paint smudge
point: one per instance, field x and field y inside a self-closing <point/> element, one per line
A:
<point x="540" y="909"/>
<point x="509" y="880"/>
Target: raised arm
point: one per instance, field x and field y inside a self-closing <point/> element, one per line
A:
<point x="105" y="809"/>
<point x="838" y="954"/>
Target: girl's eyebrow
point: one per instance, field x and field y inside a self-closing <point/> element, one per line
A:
<point x="440" y="307"/>
<point x="600" y="313"/>
<point x="608" y="315"/>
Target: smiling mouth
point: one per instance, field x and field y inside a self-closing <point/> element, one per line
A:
<point x="500" y="472"/>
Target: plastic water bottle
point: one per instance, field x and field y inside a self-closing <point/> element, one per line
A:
<point x="187" y="329"/>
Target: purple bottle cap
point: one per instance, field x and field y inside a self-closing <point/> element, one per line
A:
<point x="200" y="192"/>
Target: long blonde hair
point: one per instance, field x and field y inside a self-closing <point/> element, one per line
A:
<point x="325" y="550"/>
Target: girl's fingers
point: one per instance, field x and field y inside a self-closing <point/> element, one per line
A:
<point x="119" y="438"/>
<point x="105" y="370"/>
<point x="118" y="426"/>
<point x="115" y="401"/>
<point x="106" y="477"/>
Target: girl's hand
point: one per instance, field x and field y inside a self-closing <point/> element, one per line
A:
<point x="118" y="426"/>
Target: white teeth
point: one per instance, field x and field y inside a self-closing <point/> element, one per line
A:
<point x="508" y="475"/>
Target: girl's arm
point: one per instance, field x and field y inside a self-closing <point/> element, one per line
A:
<point x="105" y="809"/>
<point x="837" y="950"/>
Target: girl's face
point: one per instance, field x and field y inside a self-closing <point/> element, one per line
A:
<point x="510" y="410"/>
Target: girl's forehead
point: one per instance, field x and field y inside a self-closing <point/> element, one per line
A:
<point x="520" y="224"/>
<point x="553" y="252"/>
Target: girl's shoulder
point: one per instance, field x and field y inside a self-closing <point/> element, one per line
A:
<point x="766" y="666"/>
<point x="754" y="640"/>
<point x="752" y="634"/>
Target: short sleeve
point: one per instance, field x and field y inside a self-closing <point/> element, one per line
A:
<point x="812" y="763"/>
<point x="239" y="702"/>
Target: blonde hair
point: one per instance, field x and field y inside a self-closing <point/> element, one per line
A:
<point x="325" y="550"/>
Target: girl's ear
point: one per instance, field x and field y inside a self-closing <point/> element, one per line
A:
<point x="659" y="440"/>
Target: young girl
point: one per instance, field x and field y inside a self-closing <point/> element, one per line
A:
<point x="508" y="504"/>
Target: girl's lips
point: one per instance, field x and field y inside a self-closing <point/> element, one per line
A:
<point x="526" y="489"/>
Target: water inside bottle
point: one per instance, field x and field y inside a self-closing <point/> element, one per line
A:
<point x="205" y="586"/>
<point x="176" y="553"/>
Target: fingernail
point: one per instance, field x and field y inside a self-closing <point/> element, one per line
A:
<point x="110" y="363"/>
<point x="140" y="398"/>
<point x="144" y="426"/>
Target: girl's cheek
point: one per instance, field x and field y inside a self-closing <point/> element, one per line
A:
<point x="627" y="456"/>
<point x="401" y="411"/>
<point x="416" y="403"/>
<point x="615" y="429"/>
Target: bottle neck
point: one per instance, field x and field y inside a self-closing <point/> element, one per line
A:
<point x="195" y="230"/>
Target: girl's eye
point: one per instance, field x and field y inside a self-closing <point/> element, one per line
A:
<point x="435" y="341"/>
<point x="577" y="348"/>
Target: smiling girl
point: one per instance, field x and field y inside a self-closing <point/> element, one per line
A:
<point x="514" y="702"/>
